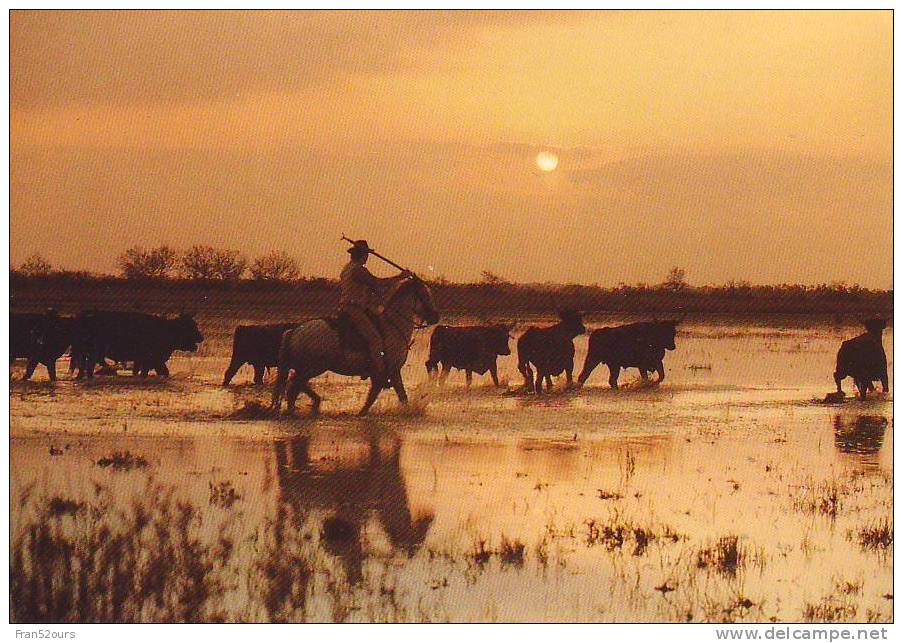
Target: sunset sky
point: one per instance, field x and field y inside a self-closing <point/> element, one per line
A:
<point x="739" y="145"/>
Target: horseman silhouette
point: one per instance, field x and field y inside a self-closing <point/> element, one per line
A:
<point x="370" y="338"/>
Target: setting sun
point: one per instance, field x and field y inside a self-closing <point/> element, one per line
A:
<point x="546" y="161"/>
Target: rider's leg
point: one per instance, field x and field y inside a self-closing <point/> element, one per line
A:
<point x="373" y="339"/>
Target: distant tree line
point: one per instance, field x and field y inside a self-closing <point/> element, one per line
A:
<point x="199" y="262"/>
<point x="164" y="268"/>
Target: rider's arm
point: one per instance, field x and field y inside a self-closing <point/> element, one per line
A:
<point x="364" y="276"/>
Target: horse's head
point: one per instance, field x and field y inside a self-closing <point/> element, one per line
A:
<point x="418" y="295"/>
<point x="424" y="307"/>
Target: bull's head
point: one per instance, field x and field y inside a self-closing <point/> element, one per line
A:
<point x="668" y="330"/>
<point x="875" y="326"/>
<point x="186" y="334"/>
<point x="572" y="321"/>
<point x="498" y="339"/>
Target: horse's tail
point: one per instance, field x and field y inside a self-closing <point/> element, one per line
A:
<point x="284" y="366"/>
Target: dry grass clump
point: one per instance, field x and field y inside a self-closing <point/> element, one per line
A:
<point x="615" y="533"/>
<point x="87" y="563"/>
<point x="223" y="494"/>
<point x="878" y="536"/>
<point x="725" y="556"/>
<point x="122" y="461"/>
<point x="511" y="552"/>
<point x="830" y="609"/>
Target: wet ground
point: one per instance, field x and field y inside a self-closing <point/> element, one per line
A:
<point x="729" y="493"/>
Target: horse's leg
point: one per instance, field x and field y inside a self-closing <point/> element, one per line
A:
<point x="863" y="387"/>
<point x="398" y="385"/>
<point x="259" y="371"/>
<point x="569" y="376"/>
<point x="644" y="374"/>
<point x="549" y="383"/>
<point x="162" y="370"/>
<point x="279" y="387"/>
<point x="661" y="372"/>
<point x="468" y="377"/>
<point x="304" y="385"/>
<point x="51" y="369"/>
<point x="375" y="388"/>
<point x="885" y="386"/>
<point x="291" y="394"/>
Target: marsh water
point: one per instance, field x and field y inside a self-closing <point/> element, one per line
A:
<point x="730" y="492"/>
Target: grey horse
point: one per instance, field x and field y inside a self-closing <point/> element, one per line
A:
<point x="316" y="346"/>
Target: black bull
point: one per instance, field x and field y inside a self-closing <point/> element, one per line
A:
<point x="257" y="345"/>
<point x="42" y="338"/>
<point x="146" y="340"/>
<point x="473" y="349"/>
<point x="641" y="345"/>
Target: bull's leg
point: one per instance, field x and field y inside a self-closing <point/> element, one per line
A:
<point x="494" y="372"/>
<point x="30" y="368"/>
<point x="51" y="369"/>
<point x="375" y="387"/>
<point x="231" y="370"/>
<point x="549" y="383"/>
<point x="644" y="374"/>
<point x="863" y="387"/>
<point x="527" y="372"/>
<point x="591" y="363"/>
<point x="569" y="373"/>
<point x="162" y="370"/>
<point x="885" y="385"/>
<point x="259" y="370"/>
<point x="468" y="377"/>
<point x="838" y="378"/>
<point x="661" y="372"/>
<point x="614" y="370"/>
<point x="446" y="369"/>
<point x="398" y="385"/>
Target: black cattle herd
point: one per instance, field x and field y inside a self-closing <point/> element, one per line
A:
<point x="105" y="339"/>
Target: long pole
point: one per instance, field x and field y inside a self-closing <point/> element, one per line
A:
<point x="379" y="256"/>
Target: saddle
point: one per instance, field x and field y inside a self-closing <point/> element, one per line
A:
<point x="350" y="338"/>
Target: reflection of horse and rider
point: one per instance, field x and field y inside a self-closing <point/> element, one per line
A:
<point x="348" y="495"/>
<point x="370" y="338"/>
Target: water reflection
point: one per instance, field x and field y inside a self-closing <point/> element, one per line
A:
<point x="342" y="485"/>
<point x="862" y="435"/>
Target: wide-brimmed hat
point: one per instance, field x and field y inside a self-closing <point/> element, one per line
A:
<point x="359" y="246"/>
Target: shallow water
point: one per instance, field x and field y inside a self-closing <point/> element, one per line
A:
<point x="626" y="503"/>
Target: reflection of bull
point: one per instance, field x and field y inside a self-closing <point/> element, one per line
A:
<point x="863" y="358"/>
<point x="349" y="495"/>
<point x="863" y="436"/>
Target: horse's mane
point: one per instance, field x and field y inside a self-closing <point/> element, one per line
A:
<point x="401" y="288"/>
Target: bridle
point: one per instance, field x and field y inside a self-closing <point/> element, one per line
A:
<point x="413" y="320"/>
